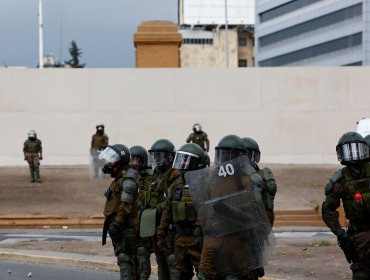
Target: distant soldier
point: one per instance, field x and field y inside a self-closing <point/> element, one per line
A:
<point x="32" y="150"/>
<point x="199" y="137"/>
<point x="99" y="142"/>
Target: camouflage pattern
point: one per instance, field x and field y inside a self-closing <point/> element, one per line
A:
<point x="116" y="210"/>
<point x="181" y="214"/>
<point x="344" y="186"/>
<point x="32" y="150"/>
<point x="199" y="138"/>
<point x="268" y="191"/>
<point x="99" y="141"/>
<point x="153" y="195"/>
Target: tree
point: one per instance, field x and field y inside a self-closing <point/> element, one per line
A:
<point x="75" y="53"/>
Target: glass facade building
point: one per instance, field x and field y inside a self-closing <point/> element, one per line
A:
<point x="312" y="33"/>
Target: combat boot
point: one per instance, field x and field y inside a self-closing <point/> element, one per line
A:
<point x="32" y="173"/>
<point x="37" y="172"/>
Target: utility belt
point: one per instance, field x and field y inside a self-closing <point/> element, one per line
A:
<point x="179" y="230"/>
<point x="355" y="229"/>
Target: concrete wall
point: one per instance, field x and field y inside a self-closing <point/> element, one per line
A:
<point x="296" y="114"/>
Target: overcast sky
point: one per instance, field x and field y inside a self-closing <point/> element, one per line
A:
<point x="102" y="29"/>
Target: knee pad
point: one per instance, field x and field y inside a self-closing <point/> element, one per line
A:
<point x="142" y="252"/>
<point x="122" y="258"/>
<point x="170" y="259"/>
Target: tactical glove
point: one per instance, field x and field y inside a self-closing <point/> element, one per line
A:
<point x="115" y="232"/>
<point x="346" y="244"/>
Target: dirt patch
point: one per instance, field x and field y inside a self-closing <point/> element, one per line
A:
<point x="70" y="191"/>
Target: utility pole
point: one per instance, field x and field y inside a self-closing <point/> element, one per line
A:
<point x="41" y="37"/>
<point x="226" y="37"/>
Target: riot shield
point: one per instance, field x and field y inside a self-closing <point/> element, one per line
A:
<point x="230" y="209"/>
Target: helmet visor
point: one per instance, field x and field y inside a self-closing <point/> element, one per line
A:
<point x="352" y="151"/>
<point x="222" y="155"/>
<point x="159" y="158"/>
<point x="185" y="161"/>
<point x="109" y="155"/>
<point x="253" y="156"/>
<point x="137" y="160"/>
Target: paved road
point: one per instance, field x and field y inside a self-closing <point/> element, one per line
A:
<point x="18" y="235"/>
<point x="11" y="270"/>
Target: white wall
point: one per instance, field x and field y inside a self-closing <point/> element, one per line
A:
<point x="296" y="114"/>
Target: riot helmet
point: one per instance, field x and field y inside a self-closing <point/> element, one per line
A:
<point x="367" y="139"/>
<point x="197" y="128"/>
<point x="352" y="148"/>
<point x="32" y="135"/>
<point x="100" y="128"/>
<point x="161" y="155"/>
<point x="139" y="157"/>
<point x="228" y="148"/>
<point x="252" y="149"/>
<point x="116" y="157"/>
<point x="190" y="157"/>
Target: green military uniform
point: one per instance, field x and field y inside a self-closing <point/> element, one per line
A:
<point x="351" y="185"/>
<point x="99" y="142"/>
<point x="180" y="213"/>
<point x="199" y="138"/>
<point x="121" y="219"/>
<point x="268" y="191"/>
<point x="153" y="196"/>
<point x="32" y="150"/>
<point x="354" y="192"/>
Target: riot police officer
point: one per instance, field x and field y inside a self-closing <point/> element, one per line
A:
<point x="269" y="187"/>
<point x="351" y="186"/>
<point x="99" y="141"/>
<point x="120" y="209"/>
<point x="32" y="150"/>
<point x="235" y="253"/>
<point x="181" y="213"/>
<point x="199" y="137"/>
<point x="139" y="161"/>
<point x="152" y="201"/>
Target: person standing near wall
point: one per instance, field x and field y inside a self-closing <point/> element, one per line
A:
<point x="351" y="186"/>
<point x="99" y="142"/>
<point x="199" y="137"/>
<point x="32" y="151"/>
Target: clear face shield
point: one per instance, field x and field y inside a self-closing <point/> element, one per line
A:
<point x="31" y="135"/>
<point x="254" y="156"/>
<point x="352" y="151"/>
<point x="138" y="161"/>
<point x="197" y="128"/>
<point x="185" y="161"/>
<point x="109" y="155"/>
<point x="222" y="155"/>
<point x="159" y="158"/>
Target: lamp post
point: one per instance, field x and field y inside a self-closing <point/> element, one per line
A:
<point x="41" y="37"/>
<point x="226" y="37"/>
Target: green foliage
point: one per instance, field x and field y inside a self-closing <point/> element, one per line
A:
<point x="75" y="53"/>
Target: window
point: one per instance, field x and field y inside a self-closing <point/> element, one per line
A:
<point x="285" y="8"/>
<point x="242" y="41"/>
<point x="327" y="47"/>
<point x="242" y="63"/>
<point x="338" y="16"/>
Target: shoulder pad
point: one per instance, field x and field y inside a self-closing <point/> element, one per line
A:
<point x="336" y="175"/>
<point x="132" y="173"/>
<point x="267" y="174"/>
<point x="334" y="178"/>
